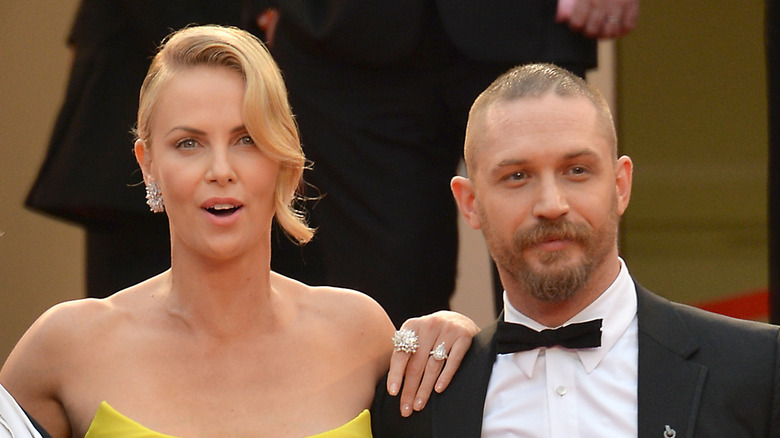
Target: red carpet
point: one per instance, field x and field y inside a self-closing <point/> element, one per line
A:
<point x="752" y="304"/>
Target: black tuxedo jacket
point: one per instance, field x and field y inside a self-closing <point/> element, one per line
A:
<point x="704" y="375"/>
<point x="381" y="31"/>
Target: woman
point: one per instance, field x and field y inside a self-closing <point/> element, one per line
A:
<point x="219" y="345"/>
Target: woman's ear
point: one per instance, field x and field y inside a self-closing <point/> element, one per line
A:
<point x="142" y="156"/>
<point x="463" y="191"/>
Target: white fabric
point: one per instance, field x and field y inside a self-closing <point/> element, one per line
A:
<point x="13" y="421"/>
<point x="561" y="393"/>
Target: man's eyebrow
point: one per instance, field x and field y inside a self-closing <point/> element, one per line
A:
<point x="511" y="162"/>
<point x="501" y="165"/>
<point x="580" y="153"/>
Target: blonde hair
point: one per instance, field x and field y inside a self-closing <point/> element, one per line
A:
<point x="534" y="80"/>
<point x="266" y="110"/>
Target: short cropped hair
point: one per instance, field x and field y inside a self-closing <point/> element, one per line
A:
<point x="533" y="80"/>
<point x="266" y="111"/>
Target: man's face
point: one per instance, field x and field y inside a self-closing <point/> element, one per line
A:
<point x="548" y="193"/>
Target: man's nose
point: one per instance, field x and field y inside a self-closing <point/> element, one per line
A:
<point x="551" y="202"/>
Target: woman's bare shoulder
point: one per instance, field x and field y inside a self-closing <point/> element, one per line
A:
<point x="70" y="330"/>
<point x="63" y="321"/>
<point x="341" y="310"/>
<point x="61" y="330"/>
<point x="343" y="306"/>
<point x="353" y="325"/>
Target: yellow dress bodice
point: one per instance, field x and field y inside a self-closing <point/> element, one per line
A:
<point x="108" y="422"/>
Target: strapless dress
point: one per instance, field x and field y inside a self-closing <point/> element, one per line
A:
<point x="108" y="422"/>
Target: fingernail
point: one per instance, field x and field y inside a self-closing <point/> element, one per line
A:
<point x="439" y="387"/>
<point x="393" y="389"/>
<point x="406" y="410"/>
<point x="418" y="404"/>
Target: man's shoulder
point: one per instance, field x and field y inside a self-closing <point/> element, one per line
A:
<point x="657" y="305"/>
<point x="667" y="320"/>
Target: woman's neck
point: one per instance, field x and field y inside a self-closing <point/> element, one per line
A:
<point x="222" y="297"/>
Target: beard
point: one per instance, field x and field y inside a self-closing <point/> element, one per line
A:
<point x="554" y="280"/>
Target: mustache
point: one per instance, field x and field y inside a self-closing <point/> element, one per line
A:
<point x="547" y="230"/>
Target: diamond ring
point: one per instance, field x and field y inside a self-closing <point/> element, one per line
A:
<point x="439" y="353"/>
<point x="405" y="340"/>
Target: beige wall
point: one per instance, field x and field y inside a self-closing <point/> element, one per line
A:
<point x="40" y="258"/>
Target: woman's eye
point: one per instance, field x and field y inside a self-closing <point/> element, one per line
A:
<point x="246" y="141"/>
<point x="186" y="143"/>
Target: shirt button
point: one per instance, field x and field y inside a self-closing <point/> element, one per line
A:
<point x="561" y="390"/>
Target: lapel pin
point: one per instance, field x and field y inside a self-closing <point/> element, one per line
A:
<point x="669" y="432"/>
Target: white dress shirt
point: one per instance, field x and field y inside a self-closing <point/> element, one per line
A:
<point x="560" y="393"/>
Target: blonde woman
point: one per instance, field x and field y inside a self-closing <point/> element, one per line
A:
<point x="219" y="345"/>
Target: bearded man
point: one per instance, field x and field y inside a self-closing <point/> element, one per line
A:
<point x="581" y="349"/>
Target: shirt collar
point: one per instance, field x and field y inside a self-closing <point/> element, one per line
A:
<point x="617" y="307"/>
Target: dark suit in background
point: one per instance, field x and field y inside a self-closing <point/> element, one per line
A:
<point x="381" y="91"/>
<point x="772" y="33"/>
<point x="90" y="176"/>
<point x="704" y="375"/>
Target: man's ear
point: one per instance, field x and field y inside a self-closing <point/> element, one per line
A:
<point x="142" y="156"/>
<point x="463" y="191"/>
<point x="623" y="177"/>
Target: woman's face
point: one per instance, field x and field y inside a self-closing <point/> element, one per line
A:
<point x="218" y="186"/>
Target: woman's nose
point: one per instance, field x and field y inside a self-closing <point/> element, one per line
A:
<point x="221" y="170"/>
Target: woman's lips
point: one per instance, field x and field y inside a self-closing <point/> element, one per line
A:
<point x="222" y="209"/>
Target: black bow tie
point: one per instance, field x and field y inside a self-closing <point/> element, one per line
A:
<point x="512" y="338"/>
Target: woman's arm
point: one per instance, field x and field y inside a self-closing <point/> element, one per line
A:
<point x="34" y="371"/>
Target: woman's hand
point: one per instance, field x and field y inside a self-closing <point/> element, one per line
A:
<point x="451" y="334"/>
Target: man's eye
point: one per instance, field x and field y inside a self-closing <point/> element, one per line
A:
<point x="516" y="176"/>
<point x="578" y="170"/>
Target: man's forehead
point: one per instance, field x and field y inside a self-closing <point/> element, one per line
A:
<point x="529" y="116"/>
<point x="517" y="133"/>
<point x="545" y="119"/>
<point x="548" y="106"/>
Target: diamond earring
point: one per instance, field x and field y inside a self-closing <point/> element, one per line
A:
<point x="154" y="198"/>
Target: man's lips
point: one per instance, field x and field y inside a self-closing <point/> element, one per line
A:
<point x="554" y="244"/>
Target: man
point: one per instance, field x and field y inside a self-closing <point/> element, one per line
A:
<point x="547" y="190"/>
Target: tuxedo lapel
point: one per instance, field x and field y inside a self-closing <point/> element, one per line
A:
<point x="460" y="413"/>
<point x="670" y="386"/>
